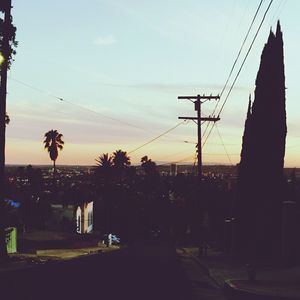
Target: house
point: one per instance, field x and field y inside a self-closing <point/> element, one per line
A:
<point x="71" y="218"/>
<point x="84" y="218"/>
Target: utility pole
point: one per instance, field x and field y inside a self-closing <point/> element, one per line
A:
<point x="198" y="102"/>
<point x="5" y="53"/>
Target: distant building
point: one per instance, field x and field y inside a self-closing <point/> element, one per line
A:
<point x="173" y="169"/>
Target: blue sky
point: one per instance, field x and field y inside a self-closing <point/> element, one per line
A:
<point x="120" y="65"/>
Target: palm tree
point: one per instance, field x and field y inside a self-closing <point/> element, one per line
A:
<point x="149" y="166"/>
<point x="53" y="141"/>
<point x="104" y="167"/>
<point x="121" y="163"/>
<point x="120" y="159"/>
<point x="104" y="161"/>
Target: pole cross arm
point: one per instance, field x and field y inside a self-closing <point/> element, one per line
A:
<point x="214" y="119"/>
<point x="200" y="97"/>
<point x="187" y="118"/>
<point x="198" y="120"/>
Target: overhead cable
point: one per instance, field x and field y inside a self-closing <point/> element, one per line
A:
<point x="245" y="58"/>
<point x="74" y="104"/>
<point x="239" y="53"/>
<point x="235" y="62"/>
<point x="157" y="137"/>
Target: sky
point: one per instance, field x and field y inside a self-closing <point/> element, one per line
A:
<point x="119" y="66"/>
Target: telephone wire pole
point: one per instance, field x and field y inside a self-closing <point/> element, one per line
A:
<point x="198" y="101"/>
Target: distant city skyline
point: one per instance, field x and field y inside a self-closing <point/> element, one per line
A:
<point x="119" y="66"/>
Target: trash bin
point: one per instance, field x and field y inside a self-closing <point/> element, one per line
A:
<point x="11" y="239"/>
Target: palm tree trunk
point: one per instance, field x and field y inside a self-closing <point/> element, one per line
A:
<point x="54" y="170"/>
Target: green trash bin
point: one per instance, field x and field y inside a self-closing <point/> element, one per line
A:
<point x="11" y="239"/>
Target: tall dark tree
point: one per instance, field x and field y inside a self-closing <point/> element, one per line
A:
<point x="7" y="45"/>
<point x="261" y="180"/>
<point x="53" y="142"/>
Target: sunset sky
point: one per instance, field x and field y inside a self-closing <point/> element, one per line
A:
<point x="119" y="66"/>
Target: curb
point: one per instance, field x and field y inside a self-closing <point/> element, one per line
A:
<point x="204" y="268"/>
<point x="232" y="292"/>
<point x="44" y="261"/>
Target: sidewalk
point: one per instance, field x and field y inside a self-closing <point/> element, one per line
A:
<point x="203" y="285"/>
<point x="272" y="283"/>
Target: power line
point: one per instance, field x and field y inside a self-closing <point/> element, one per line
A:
<point x="279" y="10"/>
<point x="74" y="104"/>
<point x="157" y="137"/>
<point x="194" y="157"/>
<point x="227" y="154"/>
<point x="245" y="58"/>
<point x="239" y="53"/>
<point x="175" y="162"/>
<point x="235" y="61"/>
<point x="215" y="144"/>
<point x="199" y="100"/>
<point x="213" y="124"/>
<point x="175" y="154"/>
<point x="95" y="112"/>
<point x="240" y="69"/>
<point x="35" y="88"/>
<point x="100" y="114"/>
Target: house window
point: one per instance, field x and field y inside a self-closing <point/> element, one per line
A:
<point x="90" y="218"/>
<point x="78" y="227"/>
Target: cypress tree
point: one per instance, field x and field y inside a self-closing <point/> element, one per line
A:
<point x="261" y="179"/>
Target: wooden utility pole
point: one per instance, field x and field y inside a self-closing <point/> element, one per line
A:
<point x="5" y="53"/>
<point x="198" y="120"/>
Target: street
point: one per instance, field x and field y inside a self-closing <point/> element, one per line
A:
<point x="138" y="272"/>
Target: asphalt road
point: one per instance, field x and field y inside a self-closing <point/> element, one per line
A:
<point x="139" y="272"/>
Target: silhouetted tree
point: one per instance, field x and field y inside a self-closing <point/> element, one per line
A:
<point x="104" y="161"/>
<point x="260" y="178"/>
<point x="121" y="162"/>
<point x="7" y="50"/>
<point x="148" y="166"/>
<point x="53" y="141"/>
<point x="120" y="159"/>
<point x="104" y="167"/>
